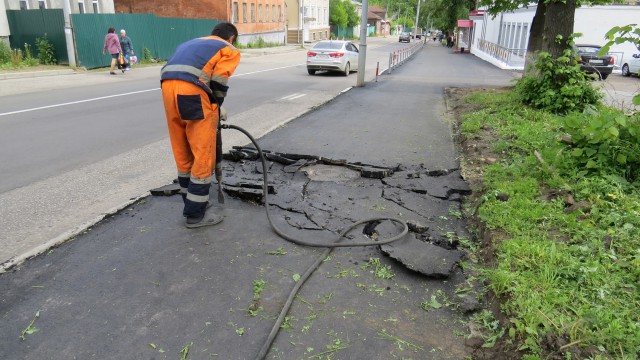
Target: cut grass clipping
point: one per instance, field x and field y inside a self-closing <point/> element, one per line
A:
<point x="568" y="246"/>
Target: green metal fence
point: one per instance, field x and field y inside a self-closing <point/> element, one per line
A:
<point x="27" y="25"/>
<point x="160" y="35"/>
<point x="342" y="32"/>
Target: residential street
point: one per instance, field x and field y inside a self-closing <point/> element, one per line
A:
<point x="110" y="132"/>
<point x="140" y="285"/>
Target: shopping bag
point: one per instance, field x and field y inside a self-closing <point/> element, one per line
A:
<point x="134" y="59"/>
<point x="121" y="59"/>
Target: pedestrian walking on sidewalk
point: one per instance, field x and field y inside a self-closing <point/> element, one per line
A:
<point x="112" y="44"/>
<point x="127" y="49"/>
<point x="194" y="85"/>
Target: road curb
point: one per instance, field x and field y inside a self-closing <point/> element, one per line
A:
<point x="64" y="237"/>
<point x="33" y="74"/>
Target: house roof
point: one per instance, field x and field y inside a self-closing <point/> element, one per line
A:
<point x="373" y="16"/>
<point x="377" y="9"/>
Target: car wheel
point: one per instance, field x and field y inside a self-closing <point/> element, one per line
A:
<point x="311" y="72"/>
<point x="347" y="69"/>
<point x="625" y="70"/>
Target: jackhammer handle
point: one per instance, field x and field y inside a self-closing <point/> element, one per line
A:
<point x="218" y="167"/>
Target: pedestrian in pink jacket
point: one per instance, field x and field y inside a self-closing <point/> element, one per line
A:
<point x="112" y="44"/>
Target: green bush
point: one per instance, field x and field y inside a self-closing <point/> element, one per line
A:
<point x="607" y="142"/>
<point x="29" y="60"/>
<point x="46" y="51"/>
<point x="557" y="85"/>
<point x="5" y="53"/>
<point x="146" y="55"/>
<point x="16" y="57"/>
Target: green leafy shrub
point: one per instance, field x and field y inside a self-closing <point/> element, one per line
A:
<point x="558" y="85"/>
<point x="607" y="141"/>
<point x="46" y="51"/>
<point x="16" y="57"/>
<point x="146" y="55"/>
<point x="5" y="53"/>
<point x="29" y="60"/>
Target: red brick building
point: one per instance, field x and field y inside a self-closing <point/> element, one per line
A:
<point x="254" y="18"/>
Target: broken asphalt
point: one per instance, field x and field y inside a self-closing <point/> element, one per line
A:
<point x="139" y="285"/>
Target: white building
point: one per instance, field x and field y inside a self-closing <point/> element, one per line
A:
<point x="503" y="40"/>
<point x="307" y="20"/>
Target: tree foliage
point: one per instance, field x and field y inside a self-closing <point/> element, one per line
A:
<point x="337" y="13"/>
<point x="343" y="13"/>
<point x="444" y="14"/>
<point x="621" y="34"/>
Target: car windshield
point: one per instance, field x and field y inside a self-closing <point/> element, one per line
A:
<point x="588" y="49"/>
<point x="333" y="45"/>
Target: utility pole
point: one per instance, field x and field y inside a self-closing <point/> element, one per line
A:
<point x="417" y="17"/>
<point x="362" y="58"/>
<point x="68" y="33"/>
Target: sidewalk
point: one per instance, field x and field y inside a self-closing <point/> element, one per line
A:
<point x="140" y="285"/>
<point x="7" y="75"/>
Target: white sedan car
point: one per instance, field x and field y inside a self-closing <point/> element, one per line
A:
<point x="632" y="66"/>
<point x="332" y="55"/>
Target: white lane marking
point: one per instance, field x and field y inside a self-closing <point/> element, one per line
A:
<point x="125" y="94"/>
<point x="76" y="102"/>
<point x="288" y="96"/>
<point x="260" y="71"/>
<point x="297" y="96"/>
<point x="292" y="96"/>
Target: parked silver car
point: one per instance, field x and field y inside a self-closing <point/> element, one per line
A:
<point x="332" y="55"/>
<point x="632" y="66"/>
<point x="405" y="36"/>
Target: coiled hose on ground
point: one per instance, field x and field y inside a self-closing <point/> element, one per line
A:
<point x="329" y="247"/>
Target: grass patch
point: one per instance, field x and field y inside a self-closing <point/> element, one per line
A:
<point x="569" y="265"/>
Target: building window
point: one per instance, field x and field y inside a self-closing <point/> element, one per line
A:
<point x="42" y="4"/>
<point x="24" y="5"/>
<point x="244" y="12"/>
<point x="266" y="13"/>
<point x="273" y="13"/>
<point x="96" y="7"/>
<point x="279" y="12"/>
<point x="260" y="13"/>
<point x="253" y="13"/>
<point x="235" y="12"/>
<point x="81" y="9"/>
<point x="314" y="36"/>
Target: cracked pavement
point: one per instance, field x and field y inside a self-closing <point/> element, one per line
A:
<point x="139" y="282"/>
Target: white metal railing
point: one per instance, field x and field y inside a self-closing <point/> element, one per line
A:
<point x="509" y="56"/>
<point x="400" y="56"/>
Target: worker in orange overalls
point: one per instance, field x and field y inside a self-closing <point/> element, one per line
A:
<point x="194" y="84"/>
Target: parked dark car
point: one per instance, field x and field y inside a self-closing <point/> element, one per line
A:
<point x="405" y="36"/>
<point x="592" y="63"/>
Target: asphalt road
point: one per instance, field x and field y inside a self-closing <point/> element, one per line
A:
<point x="84" y="145"/>
<point x="45" y="138"/>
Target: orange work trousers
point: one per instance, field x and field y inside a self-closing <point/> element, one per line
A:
<point x="193" y="123"/>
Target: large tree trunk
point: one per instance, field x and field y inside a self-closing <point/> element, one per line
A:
<point x="535" y="36"/>
<point x="558" y="21"/>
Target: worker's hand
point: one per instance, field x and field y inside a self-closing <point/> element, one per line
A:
<point x="223" y="114"/>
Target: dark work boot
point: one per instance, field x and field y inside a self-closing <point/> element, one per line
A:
<point x="207" y="219"/>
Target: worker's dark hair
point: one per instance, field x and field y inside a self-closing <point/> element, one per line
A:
<point x="225" y="31"/>
<point x="111" y="30"/>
